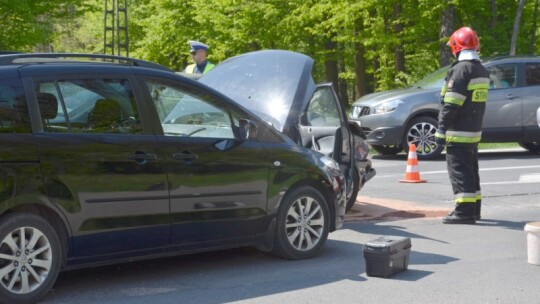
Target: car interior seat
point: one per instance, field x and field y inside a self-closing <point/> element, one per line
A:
<point x="48" y="107"/>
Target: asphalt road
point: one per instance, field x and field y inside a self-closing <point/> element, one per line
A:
<point x="482" y="263"/>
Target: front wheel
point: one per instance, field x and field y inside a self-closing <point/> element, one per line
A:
<point x="421" y="132"/>
<point x="531" y="146"/>
<point x="30" y="258"/>
<point x="302" y="224"/>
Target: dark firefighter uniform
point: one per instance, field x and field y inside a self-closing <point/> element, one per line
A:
<point x="464" y="96"/>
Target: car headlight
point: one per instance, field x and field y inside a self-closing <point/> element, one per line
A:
<point x="329" y="162"/>
<point x="387" y="106"/>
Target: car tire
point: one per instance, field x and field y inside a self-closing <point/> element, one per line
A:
<point x="387" y="149"/>
<point x="302" y="224"/>
<point x="531" y="146"/>
<point x="27" y="273"/>
<point x="421" y="132"/>
<point x="356" y="187"/>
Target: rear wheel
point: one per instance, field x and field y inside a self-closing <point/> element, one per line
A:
<point x="531" y="146"/>
<point x="387" y="149"/>
<point x="302" y="224"/>
<point x="30" y="258"/>
<point x="421" y="132"/>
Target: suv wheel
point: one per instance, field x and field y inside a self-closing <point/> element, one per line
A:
<point x="531" y="146"/>
<point x="421" y="132"/>
<point x="30" y="258"/>
<point x="387" y="149"/>
<point x="302" y="224"/>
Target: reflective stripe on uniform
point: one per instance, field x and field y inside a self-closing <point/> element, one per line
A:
<point x="478" y="195"/>
<point x="462" y="198"/>
<point x="463" y="136"/>
<point x="454" y="98"/>
<point x="479" y="87"/>
<point x="478" y="83"/>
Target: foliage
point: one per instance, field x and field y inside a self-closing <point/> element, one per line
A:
<point x="395" y="42"/>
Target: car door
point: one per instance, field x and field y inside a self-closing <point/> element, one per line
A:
<point x="531" y="102"/>
<point x="218" y="183"/>
<point x="324" y="128"/>
<point x="99" y="164"/>
<point x="503" y="116"/>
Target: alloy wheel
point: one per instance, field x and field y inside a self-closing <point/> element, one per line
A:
<point x="305" y="223"/>
<point x="25" y="260"/>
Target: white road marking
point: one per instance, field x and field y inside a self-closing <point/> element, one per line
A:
<point x="481" y="169"/>
<point x="523" y="179"/>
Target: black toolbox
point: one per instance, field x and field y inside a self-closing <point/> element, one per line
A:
<point x="387" y="256"/>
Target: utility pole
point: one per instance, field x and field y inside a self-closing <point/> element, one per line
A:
<point x="115" y="35"/>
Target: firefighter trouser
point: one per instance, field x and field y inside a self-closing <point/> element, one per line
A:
<point x="462" y="165"/>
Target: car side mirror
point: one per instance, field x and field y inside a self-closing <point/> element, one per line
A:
<point x="248" y="129"/>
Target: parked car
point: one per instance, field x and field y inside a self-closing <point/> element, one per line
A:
<point x="278" y="87"/>
<point x="121" y="159"/>
<point x="392" y="120"/>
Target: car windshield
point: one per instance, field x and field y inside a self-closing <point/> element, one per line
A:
<point x="433" y="80"/>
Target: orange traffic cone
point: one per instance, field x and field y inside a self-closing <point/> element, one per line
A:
<point x="412" y="175"/>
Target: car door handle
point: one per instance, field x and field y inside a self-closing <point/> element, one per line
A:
<point x="142" y="156"/>
<point x="511" y="96"/>
<point x="185" y="155"/>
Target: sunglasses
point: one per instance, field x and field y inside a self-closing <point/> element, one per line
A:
<point x="193" y="53"/>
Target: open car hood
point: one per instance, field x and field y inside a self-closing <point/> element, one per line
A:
<point x="275" y="85"/>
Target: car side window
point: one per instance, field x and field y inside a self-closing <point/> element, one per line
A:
<point x="322" y="110"/>
<point x="88" y="106"/>
<point x="532" y="74"/>
<point x="14" y="115"/>
<point x="188" y="113"/>
<point x="502" y="76"/>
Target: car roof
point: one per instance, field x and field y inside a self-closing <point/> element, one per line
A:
<point x="508" y="58"/>
<point x="24" y="59"/>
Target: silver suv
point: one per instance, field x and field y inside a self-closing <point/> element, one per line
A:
<point x="395" y="119"/>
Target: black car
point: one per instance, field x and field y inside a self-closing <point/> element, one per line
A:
<point x="277" y="86"/>
<point x="121" y="159"/>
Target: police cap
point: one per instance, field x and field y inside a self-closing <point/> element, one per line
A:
<point x="196" y="45"/>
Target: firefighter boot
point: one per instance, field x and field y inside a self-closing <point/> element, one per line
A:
<point x="464" y="213"/>
<point x="477" y="210"/>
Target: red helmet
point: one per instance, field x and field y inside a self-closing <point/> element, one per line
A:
<point x="463" y="39"/>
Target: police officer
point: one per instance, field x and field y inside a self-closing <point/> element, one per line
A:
<point x="198" y="52"/>
<point x="463" y="97"/>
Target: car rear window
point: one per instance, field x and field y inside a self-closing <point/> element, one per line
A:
<point x="14" y="116"/>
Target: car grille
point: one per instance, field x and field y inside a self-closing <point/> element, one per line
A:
<point x="358" y="111"/>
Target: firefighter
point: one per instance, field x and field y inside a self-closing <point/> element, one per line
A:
<point x="463" y="97"/>
<point x="198" y="51"/>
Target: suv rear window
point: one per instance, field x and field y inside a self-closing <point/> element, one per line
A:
<point x="14" y="117"/>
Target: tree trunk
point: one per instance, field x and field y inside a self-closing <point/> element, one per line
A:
<point x="343" y="94"/>
<point x="515" y="32"/>
<point x="533" y="30"/>
<point x="331" y="65"/>
<point x="493" y="8"/>
<point x="361" y="81"/>
<point x="447" y="27"/>
<point x="399" y="54"/>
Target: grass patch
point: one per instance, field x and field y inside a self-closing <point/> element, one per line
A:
<point x="498" y="145"/>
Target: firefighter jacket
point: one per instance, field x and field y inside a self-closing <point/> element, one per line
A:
<point x="463" y="96"/>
